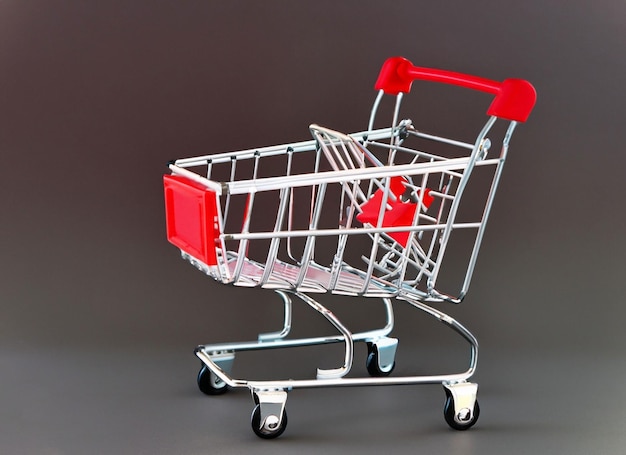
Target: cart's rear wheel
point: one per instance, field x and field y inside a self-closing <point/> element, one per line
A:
<point x="209" y="383"/>
<point x="272" y="428"/>
<point x="465" y="419"/>
<point x="373" y="363"/>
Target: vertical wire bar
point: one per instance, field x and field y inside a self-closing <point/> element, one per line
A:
<point x="291" y="198"/>
<point x="273" y="336"/>
<point x="247" y="216"/>
<point x="233" y="167"/>
<point x="357" y="155"/>
<point x="322" y="145"/>
<point x="376" y="238"/>
<point x="313" y="187"/>
<point x="447" y="231"/>
<point x="257" y="157"/>
<point x="379" y="97"/>
<point x="487" y="210"/>
<point x="393" y="142"/>
<point x="275" y="242"/>
<point x="445" y="188"/>
<point x="343" y="238"/>
<point x="243" y="243"/>
<point x="412" y="234"/>
<point x="348" y="155"/>
<point x="307" y="255"/>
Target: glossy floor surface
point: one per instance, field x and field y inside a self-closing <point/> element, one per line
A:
<point x="71" y="401"/>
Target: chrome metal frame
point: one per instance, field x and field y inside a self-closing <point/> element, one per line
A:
<point x="393" y="270"/>
<point x="337" y="377"/>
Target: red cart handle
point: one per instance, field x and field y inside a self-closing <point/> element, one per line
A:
<point x="515" y="98"/>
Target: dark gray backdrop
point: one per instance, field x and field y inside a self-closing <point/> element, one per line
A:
<point x="100" y="316"/>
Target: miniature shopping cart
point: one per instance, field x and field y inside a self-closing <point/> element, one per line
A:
<point x="369" y="214"/>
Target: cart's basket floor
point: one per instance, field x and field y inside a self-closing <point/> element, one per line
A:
<point x="317" y="278"/>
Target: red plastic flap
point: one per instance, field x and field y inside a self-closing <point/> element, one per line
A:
<point x="398" y="214"/>
<point x="191" y="218"/>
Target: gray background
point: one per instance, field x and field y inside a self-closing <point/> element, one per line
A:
<point x="100" y="316"/>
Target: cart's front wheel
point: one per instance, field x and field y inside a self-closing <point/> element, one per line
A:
<point x="464" y="419"/>
<point x="209" y="383"/>
<point x="271" y="428"/>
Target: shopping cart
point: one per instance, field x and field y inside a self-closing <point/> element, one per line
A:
<point x="369" y="214"/>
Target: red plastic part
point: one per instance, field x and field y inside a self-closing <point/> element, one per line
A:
<point x="191" y="218"/>
<point x="515" y="98"/>
<point x="399" y="214"/>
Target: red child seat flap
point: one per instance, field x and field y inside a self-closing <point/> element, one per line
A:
<point x="397" y="213"/>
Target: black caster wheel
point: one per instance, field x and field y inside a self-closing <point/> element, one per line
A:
<point x="372" y="363"/>
<point x="209" y="383"/>
<point x="463" y="421"/>
<point x="272" y="428"/>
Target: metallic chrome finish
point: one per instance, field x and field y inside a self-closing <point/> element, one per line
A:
<point x="464" y="398"/>
<point x="347" y="336"/>
<point x="338" y="379"/>
<point x="377" y="101"/>
<point x="386" y="348"/>
<point x="272" y="336"/>
<point x="370" y="214"/>
<point x="272" y="406"/>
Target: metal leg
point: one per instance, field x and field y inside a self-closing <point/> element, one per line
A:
<point x="273" y="336"/>
<point x="381" y="349"/>
<point x="372" y="335"/>
<point x="458" y="328"/>
<point x="347" y="337"/>
<point x="277" y="340"/>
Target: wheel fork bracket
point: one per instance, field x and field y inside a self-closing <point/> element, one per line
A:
<point x="464" y="398"/>
<point x="272" y="405"/>
<point x="386" y="347"/>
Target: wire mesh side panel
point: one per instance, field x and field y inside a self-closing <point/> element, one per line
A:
<point x="350" y="216"/>
<point x="429" y="200"/>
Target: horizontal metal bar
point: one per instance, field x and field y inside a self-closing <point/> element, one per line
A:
<point x="355" y="382"/>
<point x="273" y="344"/>
<point x="440" y="139"/>
<point x="419" y="153"/>
<point x="296" y="147"/>
<point x="203" y="352"/>
<point x="288" y="384"/>
<point x="343" y="231"/>
<point x="210" y="184"/>
<point x="348" y="175"/>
